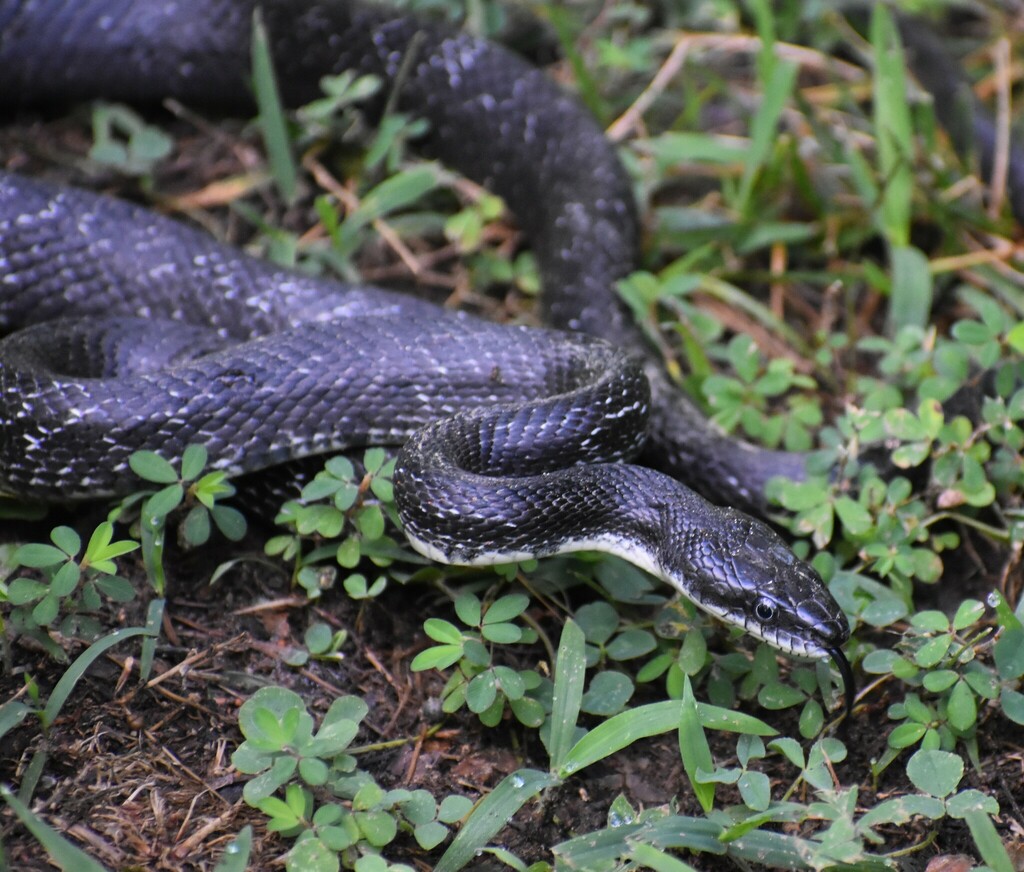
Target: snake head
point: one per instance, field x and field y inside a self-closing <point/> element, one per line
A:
<point x="741" y="571"/>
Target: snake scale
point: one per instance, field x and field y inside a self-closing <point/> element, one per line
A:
<point x="516" y="441"/>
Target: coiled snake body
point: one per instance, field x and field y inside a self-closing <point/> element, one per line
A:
<point x="514" y="438"/>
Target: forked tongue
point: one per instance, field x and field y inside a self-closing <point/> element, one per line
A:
<point x="846" y="673"/>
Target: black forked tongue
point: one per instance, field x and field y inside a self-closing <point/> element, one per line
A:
<point x="846" y="673"/>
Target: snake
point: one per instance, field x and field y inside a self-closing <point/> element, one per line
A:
<point x="128" y="330"/>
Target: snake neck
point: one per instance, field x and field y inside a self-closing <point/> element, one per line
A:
<point x="730" y="565"/>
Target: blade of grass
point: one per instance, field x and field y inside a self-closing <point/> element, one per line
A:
<point x="394" y="193"/>
<point x="12" y="713"/>
<point x="33" y="772"/>
<point x="606" y="848"/>
<point x="910" y="301"/>
<point x="694" y="749"/>
<point x="76" y="670"/>
<point x="154" y="621"/>
<point x="911" y="294"/>
<point x="764" y="23"/>
<point x="764" y="130"/>
<point x="61" y="851"/>
<point x="570" y="670"/>
<point x="271" y="119"/>
<point x="653" y="719"/>
<point x="651" y="858"/>
<point x="620" y="731"/>
<point x="777" y="80"/>
<point x="990" y="846"/>
<point x="893" y="128"/>
<point x="587" y="88"/>
<point x="675" y="147"/>
<point x="491" y="814"/>
<point x="236" y="854"/>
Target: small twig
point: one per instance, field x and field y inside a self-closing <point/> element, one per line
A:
<point x="777" y="290"/>
<point x="292" y="602"/>
<point x="199" y="836"/>
<point x="349" y="200"/>
<point x="332" y="689"/>
<point x="414" y="758"/>
<point x="184" y="700"/>
<point x="806" y="57"/>
<point x="375" y="662"/>
<point x="193" y="658"/>
<point x="94" y="840"/>
<point x="998" y="250"/>
<point x="630" y="119"/>
<point x="178" y="766"/>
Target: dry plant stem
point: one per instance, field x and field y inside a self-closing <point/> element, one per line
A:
<point x="629" y="121"/>
<point x="417" y="750"/>
<point x="222" y="192"/>
<point x="328" y="686"/>
<point x="327" y="181"/>
<point x="110" y="853"/>
<point x="290" y="602"/>
<point x="194" y="841"/>
<point x="995" y="252"/>
<point x="1001" y="156"/>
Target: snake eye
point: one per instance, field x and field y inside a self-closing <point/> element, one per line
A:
<point x="764" y="611"/>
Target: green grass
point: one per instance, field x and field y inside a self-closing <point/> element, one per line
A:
<point x="821" y="272"/>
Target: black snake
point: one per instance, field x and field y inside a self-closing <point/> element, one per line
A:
<point x="514" y="438"/>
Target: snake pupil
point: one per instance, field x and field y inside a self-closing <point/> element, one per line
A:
<point x="764" y="610"/>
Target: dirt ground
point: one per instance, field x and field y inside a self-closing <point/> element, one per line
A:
<point x="139" y="773"/>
